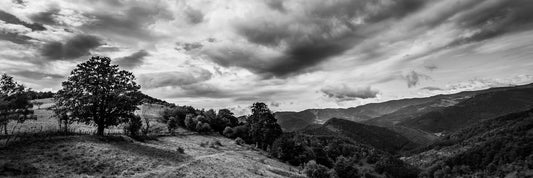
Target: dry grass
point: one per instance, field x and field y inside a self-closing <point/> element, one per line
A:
<point x="75" y="156"/>
<point x="85" y="155"/>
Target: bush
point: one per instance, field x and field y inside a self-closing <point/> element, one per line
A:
<point x="314" y="170"/>
<point x="228" y="132"/>
<point x="345" y="168"/>
<point x="190" y="122"/>
<point x="239" y="141"/>
<point x="204" y="144"/>
<point x="203" y="127"/>
<point x="180" y="150"/>
<point x="172" y="124"/>
<point x="133" y="126"/>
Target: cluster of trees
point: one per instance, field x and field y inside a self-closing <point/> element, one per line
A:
<point x="259" y="128"/>
<point x="15" y="103"/>
<point x="33" y="95"/>
<point x="198" y="120"/>
<point x="337" y="157"/>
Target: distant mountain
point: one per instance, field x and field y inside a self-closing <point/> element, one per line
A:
<point x="500" y="147"/>
<point x="474" y="109"/>
<point x="422" y="119"/>
<point x="379" y="137"/>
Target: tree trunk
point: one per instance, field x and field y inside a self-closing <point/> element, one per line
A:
<point x="100" y="130"/>
<point x="5" y="128"/>
<point x="66" y="126"/>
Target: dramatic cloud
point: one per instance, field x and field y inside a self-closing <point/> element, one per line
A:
<point x="46" y="17"/>
<point x="175" y="78"/>
<point x="347" y="93"/>
<point x="233" y="53"/>
<point x="493" y="18"/>
<point x="326" y="30"/>
<point x="133" y="22"/>
<point x="36" y="75"/>
<point x="77" y="46"/>
<point x="194" y="16"/>
<point x="11" y="19"/>
<point x="413" y="78"/>
<point x="189" y="46"/>
<point x="133" y="60"/>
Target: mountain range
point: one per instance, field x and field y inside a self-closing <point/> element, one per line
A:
<point x="422" y="120"/>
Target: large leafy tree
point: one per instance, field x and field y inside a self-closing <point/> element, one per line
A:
<point x="264" y="128"/>
<point x="14" y="102"/>
<point x="98" y="93"/>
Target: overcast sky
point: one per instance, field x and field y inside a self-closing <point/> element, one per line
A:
<point x="290" y="54"/>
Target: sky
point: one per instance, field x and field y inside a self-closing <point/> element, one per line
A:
<point x="290" y="54"/>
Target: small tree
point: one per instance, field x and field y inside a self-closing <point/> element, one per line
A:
<point x="63" y="116"/>
<point x="98" y="93"/>
<point x="190" y="122"/>
<point x="314" y="170"/>
<point x="133" y="126"/>
<point x="14" y="102"/>
<point x="264" y="128"/>
<point x="172" y="124"/>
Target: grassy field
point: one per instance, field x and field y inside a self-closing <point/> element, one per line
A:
<point x="93" y="156"/>
<point x="85" y="155"/>
<point x="47" y="122"/>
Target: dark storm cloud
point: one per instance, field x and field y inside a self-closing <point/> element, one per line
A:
<point x="36" y="75"/>
<point x="276" y="5"/>
<point x="15" y="37"/>
<point x="131" y="23"/>
<point x="430" y="67"/>
<point x="491" y="19"/>
<point x="10" y="18"/>
<point x="77" y="46"/>
<point x="413" y="78"/>
<point x="188" y="46"/>
<point x="347" y="93"/>
<point x="328" y="31"/>
<point x="46" y="17"/>
<point x="134" y="60"/>
<point x="431" y="88"/>
<point x="176" y="78"/>
<point x="194" y="16"/>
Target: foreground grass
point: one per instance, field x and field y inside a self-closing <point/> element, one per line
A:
<point x="78" y="156"/>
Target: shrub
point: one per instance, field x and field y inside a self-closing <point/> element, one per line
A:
<point x="217" y="142"/>
<point x="172" y="124"/>
<point x="133" y="126"/>
<point x="190" y="122"/>
<point x="228" y="132"/>
<point x="314" y="170"/>
<point x="345" y="168"/>
<point x="239" y="141"/>
<point x="180" y="150"/>
<point x="204" y="144"/>
<point x="203" y="127"/>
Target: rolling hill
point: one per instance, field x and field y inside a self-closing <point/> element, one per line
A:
<point x="379" y="137"/>
<point x="422" y="119"/>
<point x="499" y="147"/>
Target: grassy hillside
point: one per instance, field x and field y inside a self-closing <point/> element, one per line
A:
<point x="76" y="156"/>
<point x="379" y="137"/>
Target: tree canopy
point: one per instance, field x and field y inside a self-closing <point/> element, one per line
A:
<point x="14" y="103"/>
<point x="97" y="92"/>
